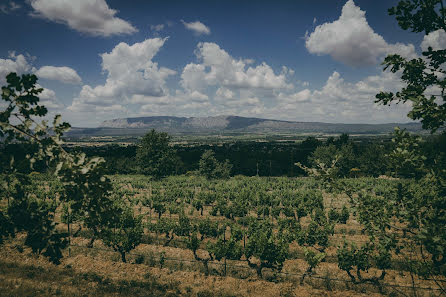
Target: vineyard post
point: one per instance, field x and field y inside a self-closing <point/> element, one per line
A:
<point x="69" y="233"/>
<point x="244" y="234"/>
<point x="224" y="240"/>
<point x="8" y="186"/>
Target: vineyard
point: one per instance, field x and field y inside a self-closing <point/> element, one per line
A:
<point x="294" y="232"/>
<point x="348" y="220"/>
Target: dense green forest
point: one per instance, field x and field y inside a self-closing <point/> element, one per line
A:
<point x="368" y="155"/>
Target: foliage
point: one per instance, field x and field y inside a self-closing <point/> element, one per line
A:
<point x="405" y="159"/>
<point x="421" y="205"/>
<point x="17" y="125"/>
<point x="351" y="258"/>
<point x="86" y="191"/>
<point x="372" y="159"/>
<point x="210" y="167"/>
<point x="83" y="185"/>
<point x="424" y="77"/>
<point x="313" y="258"/>
<point x="123" y="232"/>
<point x="270" y="249"/>
<point x="155" y="156"/>
<point x="227" y="247"/>
<point x="344" y="215"/>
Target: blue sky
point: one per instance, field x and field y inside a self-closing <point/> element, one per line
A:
<point x="302" y="60"/>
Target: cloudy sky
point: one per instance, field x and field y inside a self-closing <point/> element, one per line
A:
<point x="307" y="60"/>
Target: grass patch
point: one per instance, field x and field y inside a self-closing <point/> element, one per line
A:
<point x="29" y="280"/>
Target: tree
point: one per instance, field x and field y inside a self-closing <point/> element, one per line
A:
<point x="372" y="160"/>
<point x="124" y="232"/>
<point x="271" y="250"/>
<point x="154" y="155"/>
<point x="210" y="167"/>
<point x="342" y="150"/>
<point x="33" y="214"/>
<point x="424" y="77"/>
<point x="421" y="205"/>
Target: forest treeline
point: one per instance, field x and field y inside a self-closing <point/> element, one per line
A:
<point x="367" y="157"/>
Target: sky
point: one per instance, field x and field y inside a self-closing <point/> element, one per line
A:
<point x="306" y="60"/>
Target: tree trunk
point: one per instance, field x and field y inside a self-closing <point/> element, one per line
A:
<point x="123" y="257"/>
<point x="259" y="271"/>
<point x="76" y="234"/>
<point x="90" y="244"/>
<point x="204" y="261"/>
<point x="257" y="267"/>
<point x="93" y="237"/>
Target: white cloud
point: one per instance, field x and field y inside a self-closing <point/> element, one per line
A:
<point x="352" y="41"/>
<point x="157" y="28"/>
<point x="92" y="17"/>
<point x="179" y="104"/>
<point x="436" y="40"/>
<point x="224" y="93"/>
<point x="301" y="96"/>
<point x="130" y="71"/>
<point x="48" y="99"/>
<point x="197" y="27"/>
<point x="241" y="87"/>
<point x="341" y="101"/>
<point x="15" y="63"/>
<point x="11" y="6"/>
<point x="228" y="98"/>
<point x="63" y="74"/>
<point x="176" y="101"/>
<point x="218" y="68"/>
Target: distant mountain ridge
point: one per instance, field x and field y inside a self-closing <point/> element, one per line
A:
<point x="237" y="124"/>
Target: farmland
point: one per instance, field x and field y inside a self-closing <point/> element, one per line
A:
<point x="240" y="236"/>
<point x="223" y="166"/>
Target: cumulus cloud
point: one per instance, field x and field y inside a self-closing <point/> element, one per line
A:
<point x="14" y="63"/>
<point x="228" y="98"/>
<point x="218" y="68"/>
<point x="130" y="72"/>
<point x="236" y="86"/>
<point x="92" y="17"/>
<point x="350" y="40"/>
<point x="301" y="96"/>
<point x="436" y="40"/>
<point x="197" y="27"/>
<point x="342" y="101"/>
<point x="49" y="99"/>
<point x="179" y="103"/>
<point x="63" y="74"/>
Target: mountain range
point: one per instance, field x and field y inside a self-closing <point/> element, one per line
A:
<point x="232" y="124"/>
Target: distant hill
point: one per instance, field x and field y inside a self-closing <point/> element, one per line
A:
<point x="231" y="124"/>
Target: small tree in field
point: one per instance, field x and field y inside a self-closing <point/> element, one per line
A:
<point x="124" y="232"/>
<point x="154" y="155"/>
<point x="270" y="250"/>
